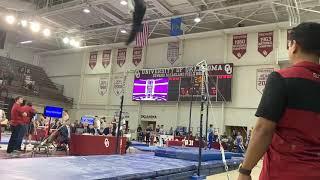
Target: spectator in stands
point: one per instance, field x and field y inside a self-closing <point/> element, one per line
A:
<point x="97" y="122"/>
<point x="106" y="131"/>
<point x="139" y="133"/>
<point x="148" y="134"/>
<point x="73" y="128"/>
<point x="2" y="119"/>
<point x="162" y="131"/>
<point x="103" y="122"/>
<point x="210" y="130"/>
<point x="85" y="127"/>
<point x="55" y="124"/>
<point x="216" y="135"/>
<point x="65" y="116"/>
<point x="171" y="131"/>
<point x="114" y="127"/>
<point x="239" y="143"/>
<point x="29" y="124"/>
<point x="17" y="125"/>
<point x="210" y="136"/>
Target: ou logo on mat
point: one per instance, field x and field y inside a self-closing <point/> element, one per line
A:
<point x="106" y="142"/>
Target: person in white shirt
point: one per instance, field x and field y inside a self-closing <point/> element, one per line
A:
<point x="98" y="122"/>
<point x="2" y="119"/>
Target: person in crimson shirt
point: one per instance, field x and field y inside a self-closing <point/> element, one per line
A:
<point x="287" y="131"/>
<point x="17" y="125"/>
<point x="28" y="124"/>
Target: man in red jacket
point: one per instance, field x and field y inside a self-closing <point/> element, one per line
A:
<point x="287" y="130"/>
<point x="28" y="124"/>
<point x="17" y="125"/>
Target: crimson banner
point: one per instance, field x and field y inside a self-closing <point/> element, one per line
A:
<point x="137" y="55"/>
<point x="106" y="56"/>
<point x="93" y="59"/>
<point x="121" y="58"/>
<point x="239" y="46"/>
<point x="265" y="43"/>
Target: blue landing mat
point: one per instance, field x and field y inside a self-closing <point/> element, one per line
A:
<point x="136" y="143"/>
<point x="134" y="166"/>
<point x="192" y="154"/>
<point x="146" y="148"/>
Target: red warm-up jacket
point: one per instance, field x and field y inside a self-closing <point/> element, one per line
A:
<point x="16" y="115"/>
<point x="30" y="111"/>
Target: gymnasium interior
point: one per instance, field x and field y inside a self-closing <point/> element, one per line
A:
<point x="176" y="102"/>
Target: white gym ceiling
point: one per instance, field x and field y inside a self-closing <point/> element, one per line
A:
<point x="102" y="25"/>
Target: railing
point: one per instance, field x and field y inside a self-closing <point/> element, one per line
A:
<point x="36" y="92"/>
<point x="40" y="4"/>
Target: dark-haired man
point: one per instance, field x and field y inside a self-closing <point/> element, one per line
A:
<point x="287" y="130"/>
<point x="17" y="125"/>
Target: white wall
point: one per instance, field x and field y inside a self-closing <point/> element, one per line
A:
<point x="84" y="82"/>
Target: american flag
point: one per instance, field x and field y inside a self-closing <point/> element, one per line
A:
<point x="143" y="36"/>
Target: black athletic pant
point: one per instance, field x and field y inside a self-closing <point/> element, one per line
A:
<point x="17" y="132"/>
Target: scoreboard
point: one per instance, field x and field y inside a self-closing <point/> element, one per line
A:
<point x="180" y="80"/>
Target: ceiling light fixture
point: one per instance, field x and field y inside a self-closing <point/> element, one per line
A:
<point x="123" y="2"/>
<point x="46" y="32"/>
<point x="25" y="42"/>
<point x="86" y="10"/>
<point x="197" y="19"/>
<point x="123" y="31"/>
<point x="76" y="44"/>
<point x="72" y="42"/>
<point x="35" y="26"/>
<point x="66" y="40"/>
<point x="10" y="19"/>
<point x="24" y="23"/>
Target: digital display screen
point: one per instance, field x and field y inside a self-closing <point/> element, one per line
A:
<point x="150" y="89"/>
<point x="53" y="112"/>
<point x="183" y="83"/>
<point x="87" y="119"/>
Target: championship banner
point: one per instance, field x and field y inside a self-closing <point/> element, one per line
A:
<point x="173" y="52"/>
<point x="288" y="37"/>
<point x="262" y="76"/>
<point x="118" y="85"/>
<point x="121" y="58"/>
<point x="106" y="56"/>
<point x="93" y="59"/>
<point x="265" y="43"/>
<point x="239" y="46"/>
<point x="136" y="55"/>
<point x="103" y="86"/>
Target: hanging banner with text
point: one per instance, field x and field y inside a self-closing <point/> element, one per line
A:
<point x="106" y="56"/>
<point x="173" y="52"/>
<point x="93" y="59"/>
<point x="136" y="55"/>
<point x="103" y="86"/>
<point x="239" y="46"/>
<point x="262" y="76"/>
<point x="265" y="43"/>
<point x="121" y="57"/>
<point x="118" y="85"/>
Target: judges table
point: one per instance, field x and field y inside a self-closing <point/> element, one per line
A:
<point x="83" y="145"/>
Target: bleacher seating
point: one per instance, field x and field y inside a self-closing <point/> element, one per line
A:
<point x="29" y="80"/>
